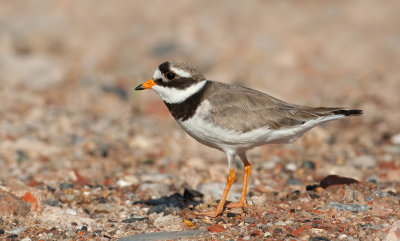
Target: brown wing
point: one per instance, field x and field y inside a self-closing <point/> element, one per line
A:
<point x="243" y="109"/>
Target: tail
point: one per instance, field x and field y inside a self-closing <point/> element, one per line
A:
<point x="347" y="112"/>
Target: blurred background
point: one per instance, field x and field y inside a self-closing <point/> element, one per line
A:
<point x="68" y="112"/>
<point x="67" y="72"/>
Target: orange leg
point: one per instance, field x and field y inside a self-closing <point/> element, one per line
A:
<point x="247" y="171"/>
<point x="229" y="182"/>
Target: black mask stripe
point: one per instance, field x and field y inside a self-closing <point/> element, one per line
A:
<point x="186" y="109"/>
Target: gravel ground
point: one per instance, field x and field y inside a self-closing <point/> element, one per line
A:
<point x="82" y="157"/>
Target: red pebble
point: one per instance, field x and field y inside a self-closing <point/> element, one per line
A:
<point x="216" y="228"/>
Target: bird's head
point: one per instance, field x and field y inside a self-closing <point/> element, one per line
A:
<point x="174" y="81"/>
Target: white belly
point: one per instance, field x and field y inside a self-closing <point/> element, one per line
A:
<point x="201" y="128"/>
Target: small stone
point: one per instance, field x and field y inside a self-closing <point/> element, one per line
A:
<point x="12" y="236"/>
<point x="71" y="211"/>
<point x="216" y="228"/>
<point x="67" y="197"/>
<point x="16" y="230"/>
<point x="169" y="222"/>
<point x="157" y="178"/>
<point x="1" y="231"/>
<point x="395" y="139"/>
<point x="188" y="223"/>
<point x="231" y="215"/>
<point x="102" y="200"/>
<point x="336" y="180"/>
<point x="348" y="195"/>
<point x="348" y="207"/>
<point x="155" y="190"/>
<point x="50" y="188"/>
<point x="64" y="186"/>
<point x="134" y="219"/>
<point x="307" y="164"/>
<point x="157" y="209"/>
<point x="280" y="223"/>
<point x="11" y="204"/>
<point x="237" y="211"/>
<point x="128" y="181"/>
<point x="249" y="220"/>
<point x="291" y="166"/>
<point x="293" y="181"/>
<point x="183" y="235"/>
<point x="394" y="232"/>
<point x="21" y="156"/>
<point x="258" y="201"/>
<point x="53" y="202"/>
<point x="311" y="187"/>
<point x="364" y="162"/>
<point x="369" y="199"/>
<point x="318" y="238"/>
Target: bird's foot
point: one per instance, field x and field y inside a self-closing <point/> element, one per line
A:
<point x="240" y="204"/>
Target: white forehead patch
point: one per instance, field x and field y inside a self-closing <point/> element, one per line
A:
<point x="180" y="72"/>
<point x="157" y="75"/>
<point x="176" y="96"/>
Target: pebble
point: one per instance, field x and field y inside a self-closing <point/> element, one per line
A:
<point x="364" y="162"/>
<point x="169" y="222"/>
<point x="280" y="223"/>
<point x="394" y="232"/>
<point x="132" y="220"/>
<point x="16" y="230"/>
<point x="71" y="211"/>
<point x="348" y="207"/>
<point x="318" y="238"/>
<point x="157" y="209"/>
<point x="307" y="164"/>
<point x="395" y="139"/>
<point x="155" y="190"/>
<point x="293" y="181"/>
<point x="21" y="156"/>
<point x="64" y="186"/>
<point x="128" y="181"/>
<point x="258" y="201"/>
<point x="53" y="202"/>
<point x="188" y="235"/>
<point x="1" y="231"/>
<point x="336" y="180"/>
<point x="249" y="220"/>
<point x="216" y="228"/>
<point x="291" y="166"/>
<point x="157" y="178"/>
<point x="237" y="210"/>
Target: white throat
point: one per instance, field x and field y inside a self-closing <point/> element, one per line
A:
<point x="176" y="96"/>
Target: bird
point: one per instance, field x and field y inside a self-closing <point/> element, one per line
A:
<point x="233" y="118"/>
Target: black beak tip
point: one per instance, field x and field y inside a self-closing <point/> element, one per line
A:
<point x="139" y="87"/>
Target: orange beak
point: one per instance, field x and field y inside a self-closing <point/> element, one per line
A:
<point x="146" y="85"/>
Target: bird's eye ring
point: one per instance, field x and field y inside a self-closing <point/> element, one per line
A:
<point x="170" y="75"/>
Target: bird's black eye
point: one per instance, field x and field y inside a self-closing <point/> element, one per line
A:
<point x="170" y="75"/>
